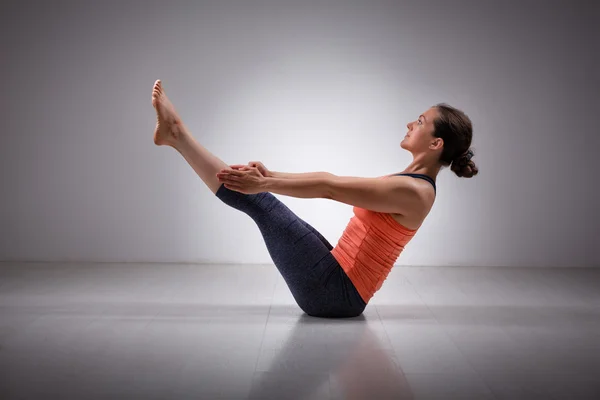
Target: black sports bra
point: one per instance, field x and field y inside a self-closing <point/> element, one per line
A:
<point x="422" y="176"/>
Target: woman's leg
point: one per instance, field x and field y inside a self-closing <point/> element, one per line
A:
<point x="170" y="131"/>
<point x="300" y="252"/>
<point x="299" y="255"/>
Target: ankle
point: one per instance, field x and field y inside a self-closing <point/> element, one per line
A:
<point x="182" y="140"/>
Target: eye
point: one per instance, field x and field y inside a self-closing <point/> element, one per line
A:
<point x="419" y="121"/>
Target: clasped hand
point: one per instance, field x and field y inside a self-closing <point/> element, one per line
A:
<point x="243" y="179"/>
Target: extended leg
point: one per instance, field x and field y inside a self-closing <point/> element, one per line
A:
<point x="170" y="131"/>
<point x="300" y="253"/>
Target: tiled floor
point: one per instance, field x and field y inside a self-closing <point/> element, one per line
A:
<point x="158" y="331"/>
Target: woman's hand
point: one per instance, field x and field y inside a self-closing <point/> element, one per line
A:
<point x="261" y="168"/>
<point x="243" y="179"/>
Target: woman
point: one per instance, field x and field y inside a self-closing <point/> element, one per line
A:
<point x="327" y="281"/>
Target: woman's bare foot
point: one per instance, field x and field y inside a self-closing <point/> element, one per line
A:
<point x="169" y="127"/>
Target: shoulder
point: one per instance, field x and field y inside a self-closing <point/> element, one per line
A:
<point x="421" y="189"/>
<point x="395" y="195"/>
<point x="417" y="187"/>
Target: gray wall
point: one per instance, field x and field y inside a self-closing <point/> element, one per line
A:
<point x="302" y="86"/>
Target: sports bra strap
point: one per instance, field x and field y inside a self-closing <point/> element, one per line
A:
<point x="421" y="176"/>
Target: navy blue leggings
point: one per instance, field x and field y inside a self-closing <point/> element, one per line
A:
<point x="302" y="255"/>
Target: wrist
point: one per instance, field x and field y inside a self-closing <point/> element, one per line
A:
<point x="269" y="183"/>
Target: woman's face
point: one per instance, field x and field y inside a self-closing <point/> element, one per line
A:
<point x="420" y="132"/>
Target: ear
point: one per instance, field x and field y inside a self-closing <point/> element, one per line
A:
<point x="436" y="143"/>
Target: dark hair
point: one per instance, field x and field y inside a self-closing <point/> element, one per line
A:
<point x="456" y="129"/>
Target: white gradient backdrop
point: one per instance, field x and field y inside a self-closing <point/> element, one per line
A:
<point x="301" y="86"/>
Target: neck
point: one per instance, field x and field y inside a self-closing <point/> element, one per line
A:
<point x="419" y="165"/>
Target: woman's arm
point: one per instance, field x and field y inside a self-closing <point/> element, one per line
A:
<point x="302" y="175"/>
<point x="400" y="196"/>
<point x="310" y="186"/>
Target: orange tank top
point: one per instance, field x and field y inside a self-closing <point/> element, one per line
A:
<point x="369" y="247"/>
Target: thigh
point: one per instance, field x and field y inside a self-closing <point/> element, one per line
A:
<point x="317" y="234"/>
<point x="301" y="254"/>
<point x="295" y="247"/>
<point x="298" y="252"/>
<point x="316" y="280"/>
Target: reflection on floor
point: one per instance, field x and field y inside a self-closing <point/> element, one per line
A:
<point x="158" y="331"/>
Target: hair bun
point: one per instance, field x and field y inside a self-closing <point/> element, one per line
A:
<point x="463" y="166"/>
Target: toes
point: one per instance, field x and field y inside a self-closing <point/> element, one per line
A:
<point x="157" y="87"/>
<point x="157" y="90"/>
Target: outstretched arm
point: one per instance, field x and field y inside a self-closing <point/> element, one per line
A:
<point x="302" y="175"/>
<point x="313" y="185"/>
<point x="390" y="195"/>
<point x="394" y="195"/>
